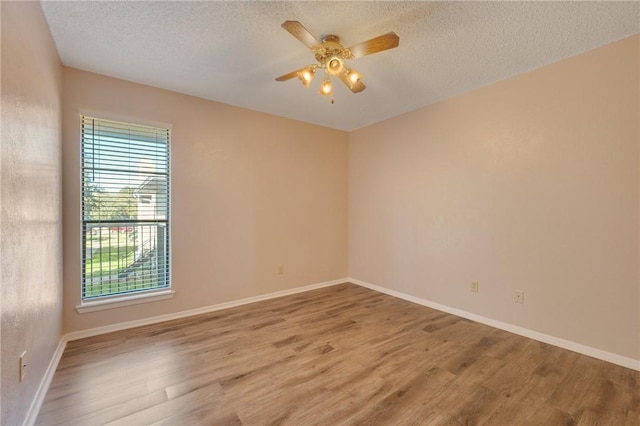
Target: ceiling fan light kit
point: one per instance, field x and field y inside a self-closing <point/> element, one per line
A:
<point x="306" y="75"/>
<point x="326" y="88"/>
<point x="354" y="76"/>
<point x="331" y="56"/>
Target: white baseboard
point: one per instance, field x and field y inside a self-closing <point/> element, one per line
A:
<point x="75" y="335"/>
<point x="535" y="335"/>
<point x="41" y="392"/>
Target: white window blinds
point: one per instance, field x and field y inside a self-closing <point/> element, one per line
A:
<point x="125" y="208"/>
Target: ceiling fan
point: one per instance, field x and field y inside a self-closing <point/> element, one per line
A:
<point x="331" y="56"/>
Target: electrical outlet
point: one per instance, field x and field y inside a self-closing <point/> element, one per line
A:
<point x="23" y="365"/>
<point x="518" y="296"/>
<point x="474" y="286"/>
<point x="280" y="269"/>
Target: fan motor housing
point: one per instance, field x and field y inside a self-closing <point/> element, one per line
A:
<point x="332" y="54"/>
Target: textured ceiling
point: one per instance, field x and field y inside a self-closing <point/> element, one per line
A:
<point x="231" y="51"/>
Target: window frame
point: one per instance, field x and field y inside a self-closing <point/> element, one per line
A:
<point x="131" y="297"/>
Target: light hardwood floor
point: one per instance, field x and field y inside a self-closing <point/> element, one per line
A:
<point x="339" y="355"/>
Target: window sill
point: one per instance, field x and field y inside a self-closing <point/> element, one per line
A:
<point x="119" y="302"/>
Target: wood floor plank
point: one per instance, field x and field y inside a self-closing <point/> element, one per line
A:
<point x="342" y="355"/>
<point x="525" y="408"/>
<point x="207" y="401"/>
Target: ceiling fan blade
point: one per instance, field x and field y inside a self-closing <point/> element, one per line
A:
<point x="375" y="45"/>
<point x="288" y="76"/>
<point x="356" y="87"/>
<point x="309" y="68"/>
<point x="300" y="32"/>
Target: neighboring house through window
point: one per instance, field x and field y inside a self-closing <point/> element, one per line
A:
<point x="125" y="208"/>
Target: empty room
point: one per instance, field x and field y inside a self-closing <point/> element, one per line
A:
<point x="320" y="213"/>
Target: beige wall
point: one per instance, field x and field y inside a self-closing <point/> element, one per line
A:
<point x="31" y="225"/>
<point x="250" y="191"/>
<point x="530" y="183"/>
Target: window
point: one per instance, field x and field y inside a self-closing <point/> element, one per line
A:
<point x="125" y="208"/>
